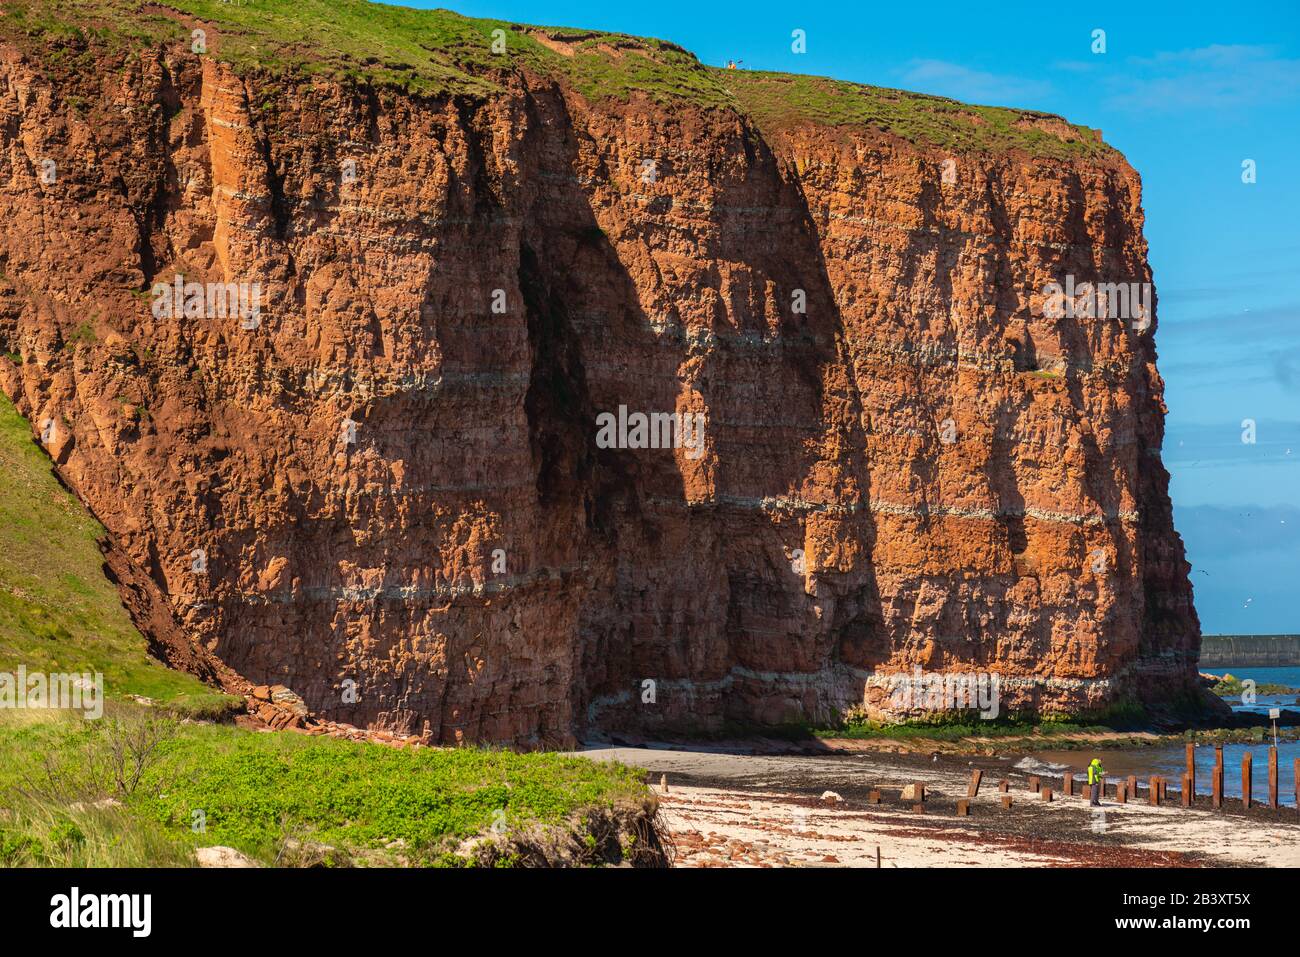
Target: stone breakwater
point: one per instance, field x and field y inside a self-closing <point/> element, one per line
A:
<point x="1250" y="651"/>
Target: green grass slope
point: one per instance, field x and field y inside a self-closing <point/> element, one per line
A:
<point x="436" y="52"/>
<point x="281" y="798"/>
<point x="256" y="787"/>
<point x="424" y="51"/>
<point x="782" y="99"/>
<point x="58" y="611"/>
<point x="122" y="790"/>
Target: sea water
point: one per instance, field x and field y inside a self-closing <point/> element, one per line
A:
<point x="1171" y="760"/>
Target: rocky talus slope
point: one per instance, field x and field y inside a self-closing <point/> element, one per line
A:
<point x="382" y="487"/>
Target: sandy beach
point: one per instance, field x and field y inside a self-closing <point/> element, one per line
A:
<point x="730" y="809"/>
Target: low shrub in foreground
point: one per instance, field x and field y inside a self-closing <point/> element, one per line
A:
<point x="143" y="790"/>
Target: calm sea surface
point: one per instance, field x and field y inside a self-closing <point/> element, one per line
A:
<point x="1171" y="761"/>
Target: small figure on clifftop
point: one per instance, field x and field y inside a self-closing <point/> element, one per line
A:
<point x="1096" y="774"/>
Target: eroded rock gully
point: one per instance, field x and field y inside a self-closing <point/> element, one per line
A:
<point x="393" y="478"/>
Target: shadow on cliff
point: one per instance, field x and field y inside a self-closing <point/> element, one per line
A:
<point x="695" y="582"/>
<point x="802" y="371"/>
<point x="855" y="640"/>
<point x="589" y="338"/>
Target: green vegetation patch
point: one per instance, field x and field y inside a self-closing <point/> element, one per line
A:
<point x="255" y="787"/>
<point x="58" y="611"/>
<point x="960" y="729"/>
<point x="782" y="100"/>
<point x="129" y="789"/>
<point x="439" y="52"/>
<point x="422" y="51"/>
<point x="1005" y="732"/>
<point x="1230" y="686"/>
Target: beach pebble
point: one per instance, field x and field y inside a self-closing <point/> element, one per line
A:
<point x="223" y="857"/>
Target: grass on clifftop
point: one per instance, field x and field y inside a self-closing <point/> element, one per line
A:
<point x="424" y="51"/>
<point x="438" y="52"/>
<point x="277" y="797"/>
<point x="778" y="99"/>
<point x="58" y="612"/>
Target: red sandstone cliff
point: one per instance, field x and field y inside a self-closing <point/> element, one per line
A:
<point x="393" y="479"/>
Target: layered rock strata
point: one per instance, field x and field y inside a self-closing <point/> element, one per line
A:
<point x="368" y="469"/>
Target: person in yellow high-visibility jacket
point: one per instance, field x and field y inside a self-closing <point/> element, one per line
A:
<point x="1096" y="775"/>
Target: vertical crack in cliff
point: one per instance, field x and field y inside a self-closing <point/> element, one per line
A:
<point x="281" y="214"/>
<point x="150" y="216"/>
<point x="558" y="406"/>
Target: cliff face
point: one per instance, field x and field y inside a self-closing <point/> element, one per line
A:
<point x="384" y="489"/>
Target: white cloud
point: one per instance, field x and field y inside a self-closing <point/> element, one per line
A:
<point x="1212" y="77"/>
<point x="944" y="78"/>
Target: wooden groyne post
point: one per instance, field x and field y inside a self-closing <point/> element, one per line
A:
<point x="1246" y="760"/>
<point x="1272" y="777"/>
<point x="1191" y="765"/>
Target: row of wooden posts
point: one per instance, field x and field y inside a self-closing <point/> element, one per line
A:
<point x="1124" y="790"/>
<point x="1216" y="777"/>
<point x="1157" y="785"/>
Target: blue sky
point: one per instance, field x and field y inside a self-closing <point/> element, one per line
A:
<point x="1187" y="91"/>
